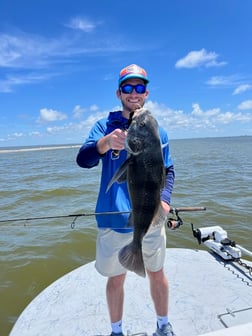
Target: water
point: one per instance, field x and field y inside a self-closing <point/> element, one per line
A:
<point x="215" y="173"/>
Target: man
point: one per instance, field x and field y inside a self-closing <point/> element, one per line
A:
<point x="106" y="143"/>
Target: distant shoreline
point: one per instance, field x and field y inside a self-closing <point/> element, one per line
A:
<point x="16" y="149"/>
<point x="36" y="148"/>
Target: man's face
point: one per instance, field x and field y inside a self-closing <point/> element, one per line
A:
<point x="132" y="101"/>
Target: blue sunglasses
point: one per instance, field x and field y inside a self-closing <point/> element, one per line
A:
<point x="128" y="88"/>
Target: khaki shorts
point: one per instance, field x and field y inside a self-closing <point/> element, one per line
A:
<point x="110" y="242"/>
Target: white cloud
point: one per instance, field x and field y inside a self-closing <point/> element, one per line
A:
<point x="94" y="108"/>
<point x="55" y="129"/>
<point x="26" y="51"/>
<point x="246" y="105"/>
<point x="78" y="111"/>
<point x="35" y="133"/>
<point x="29" y="51"/>
<point x="229" y="81"/>
<point x="198" y="112"/>
<point x="219" y="80"/>
<point x="18" y="134"/>
<point x="21" y="52"/>
<point x="199" y="58"/>
<point x="196" y="120"/>
<point x="48" y="115"/>
<point x="82" y="24"/>
<point x="242" y="88"/>
<point x="8" y="84"/>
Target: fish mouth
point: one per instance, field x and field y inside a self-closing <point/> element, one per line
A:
<point x="130" y="150"/>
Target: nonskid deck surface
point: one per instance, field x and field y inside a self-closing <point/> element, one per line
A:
<point x="206" y="295"/>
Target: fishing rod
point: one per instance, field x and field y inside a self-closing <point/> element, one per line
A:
<point x="88" y="214"/>
<point x="65" y="216"/>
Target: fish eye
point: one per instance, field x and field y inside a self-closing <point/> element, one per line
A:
<point x="142" y="124"/>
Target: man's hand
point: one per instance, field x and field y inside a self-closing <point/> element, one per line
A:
<point x="114" y="140"/>
<point x="117" y="139"/>
<point x="161" y="215"/>
<point x="166" y="207"/>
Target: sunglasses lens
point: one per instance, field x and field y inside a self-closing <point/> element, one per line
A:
<point x="140" y="88"/>
<point x="128" y="88"/>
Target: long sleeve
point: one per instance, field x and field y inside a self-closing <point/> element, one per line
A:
<point x="88" y="155"/>
<point x="168" y="187"/>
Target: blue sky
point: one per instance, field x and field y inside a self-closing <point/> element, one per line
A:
<point x="59" y="65"/>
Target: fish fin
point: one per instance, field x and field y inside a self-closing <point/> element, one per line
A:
<point x="122" y="178"/>
<point x="120" y="175"/>
<point x="130" y="223"/>
<point x="132" y="259"/>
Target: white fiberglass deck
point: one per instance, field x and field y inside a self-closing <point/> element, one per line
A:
<point x="206" y="295"/>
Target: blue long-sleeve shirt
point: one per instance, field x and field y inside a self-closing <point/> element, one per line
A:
<point x="117" y="198"/>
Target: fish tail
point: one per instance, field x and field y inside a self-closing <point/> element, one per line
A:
<point x="132" y="259"/>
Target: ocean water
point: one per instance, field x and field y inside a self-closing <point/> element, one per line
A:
<point x="215" y="173"/>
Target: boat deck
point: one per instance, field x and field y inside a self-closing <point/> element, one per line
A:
<point x="207" y="295"/>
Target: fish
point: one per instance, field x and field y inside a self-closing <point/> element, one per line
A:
<point x="144" y="173"/>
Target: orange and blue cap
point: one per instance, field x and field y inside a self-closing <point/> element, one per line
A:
<point x="132" y="71"/>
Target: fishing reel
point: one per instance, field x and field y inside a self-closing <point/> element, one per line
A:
<point x="174" y="223"/>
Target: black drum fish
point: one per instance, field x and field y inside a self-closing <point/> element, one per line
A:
<point x="144" y="172"/>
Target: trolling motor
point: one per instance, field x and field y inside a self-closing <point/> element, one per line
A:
<point x="216" y="239"/>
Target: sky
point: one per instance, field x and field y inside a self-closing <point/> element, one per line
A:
<point x="60" y="62"/>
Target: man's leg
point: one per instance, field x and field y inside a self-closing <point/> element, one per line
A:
<point x="115" y="297"/>
<point x="159" y="291"/>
